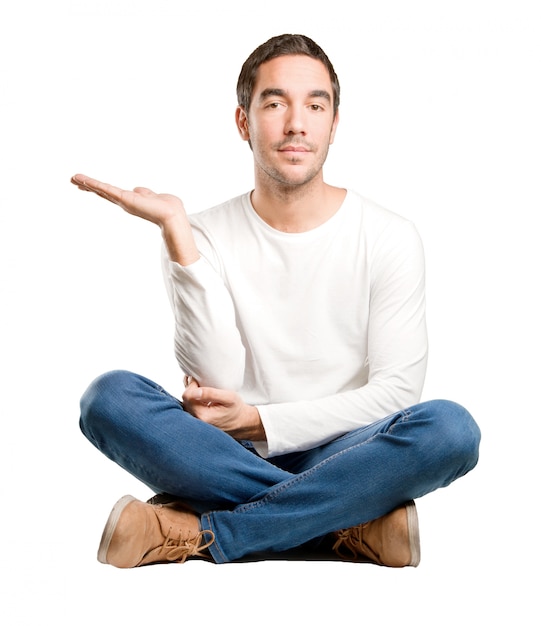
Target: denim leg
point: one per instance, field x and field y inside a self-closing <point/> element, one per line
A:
<point x="254" y="505"/>
<point x="352" y="480"/>
<point x="145" y="430"/>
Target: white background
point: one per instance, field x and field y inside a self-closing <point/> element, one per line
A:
<point x="440" y="122"/>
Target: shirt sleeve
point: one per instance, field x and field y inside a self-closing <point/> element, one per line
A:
<point x="397" y="356"/>
<point x="208" y="345"/>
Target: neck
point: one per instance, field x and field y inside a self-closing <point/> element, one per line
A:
<point x="297" y="208"/>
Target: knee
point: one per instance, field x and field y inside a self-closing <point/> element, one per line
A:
<point x="101" y="400"/>
<point x="456" y="434"/>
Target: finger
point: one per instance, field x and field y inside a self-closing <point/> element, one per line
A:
<point x="189" y="379"/>
<point x="105" y="190"/>
<point x="85" y="182"/>
<point x="78" y="180"/>
<point x="191" y="393"/>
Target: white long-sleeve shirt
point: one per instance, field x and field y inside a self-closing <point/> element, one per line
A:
<point x="324" y="331"/>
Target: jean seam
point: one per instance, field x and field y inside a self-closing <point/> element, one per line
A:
<point x="401" y="416"/>
<point x="306" y="474"/>
<point x="397" y="416"/>
<point x="215" y="543"/>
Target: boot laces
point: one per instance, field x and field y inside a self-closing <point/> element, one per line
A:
<point x="350" y="540"/>
<point x="178" y="549"/>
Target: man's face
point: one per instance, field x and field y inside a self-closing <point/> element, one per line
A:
<point x="291" y="120"/>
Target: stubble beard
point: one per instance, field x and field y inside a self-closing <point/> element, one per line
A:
<point x="281" y="182"/>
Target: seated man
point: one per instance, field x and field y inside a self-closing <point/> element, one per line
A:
<point x="300" y="327"/>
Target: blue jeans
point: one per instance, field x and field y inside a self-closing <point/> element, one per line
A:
<point x="260" y="505"/>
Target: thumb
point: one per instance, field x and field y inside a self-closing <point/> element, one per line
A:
<point x="193" y="392"/>
<point x="144" y="191"/>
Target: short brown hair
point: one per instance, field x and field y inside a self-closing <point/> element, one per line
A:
<point x="282" y="45"/>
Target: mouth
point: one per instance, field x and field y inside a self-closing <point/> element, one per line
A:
<point x="293" y="149"/>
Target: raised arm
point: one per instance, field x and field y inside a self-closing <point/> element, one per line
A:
<point x="207" y="341"/>
<point x="164" y="210"/>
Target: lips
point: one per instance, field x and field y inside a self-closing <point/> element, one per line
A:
<point x="294" y="149"/>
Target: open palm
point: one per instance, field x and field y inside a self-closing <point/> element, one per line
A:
<point x="163" y="209"/>
<point x="158" y="208"/>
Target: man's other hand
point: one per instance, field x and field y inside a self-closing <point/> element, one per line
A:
<point x="224" y="409"/>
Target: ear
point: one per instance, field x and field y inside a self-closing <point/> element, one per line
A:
<point x="242" y="123"/>
<point x="334" y="127"/>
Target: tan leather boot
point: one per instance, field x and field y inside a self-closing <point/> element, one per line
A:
<point x="391" y="540"/>
<point x="138" y="533"/>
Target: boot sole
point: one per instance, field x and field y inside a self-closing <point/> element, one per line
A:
<point x="110" y="527"/>
<point x="413" y="533"/>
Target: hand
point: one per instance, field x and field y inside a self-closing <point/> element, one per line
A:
<point x="158" y="208"/>
<point x="224" y="409"/>
<point x="162" y="209"/>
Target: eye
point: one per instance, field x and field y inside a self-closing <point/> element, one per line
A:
<point x="316" y="107"/>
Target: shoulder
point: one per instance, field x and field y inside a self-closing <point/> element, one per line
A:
<point x="218" y="229"/>
<point x="373" y="212"/>
<point x="377" y="223"/>
<point x="222" y="214"/>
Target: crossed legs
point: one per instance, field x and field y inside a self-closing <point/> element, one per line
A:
<point x="250" y="504"/>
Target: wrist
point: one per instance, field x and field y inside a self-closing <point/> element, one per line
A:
<point x="257" y="428"/>
<point x="178" y="237"/>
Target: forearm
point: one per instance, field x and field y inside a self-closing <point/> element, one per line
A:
<point x="302" y="425"/>
<point x="255" y="431"/>
<point x="179" y="240"/>
<point x="208" y="345"/>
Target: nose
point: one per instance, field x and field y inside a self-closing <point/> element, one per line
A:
<point x="295" y="122"/>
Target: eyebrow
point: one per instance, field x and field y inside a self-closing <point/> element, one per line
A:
<point x="274" y="91"/>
